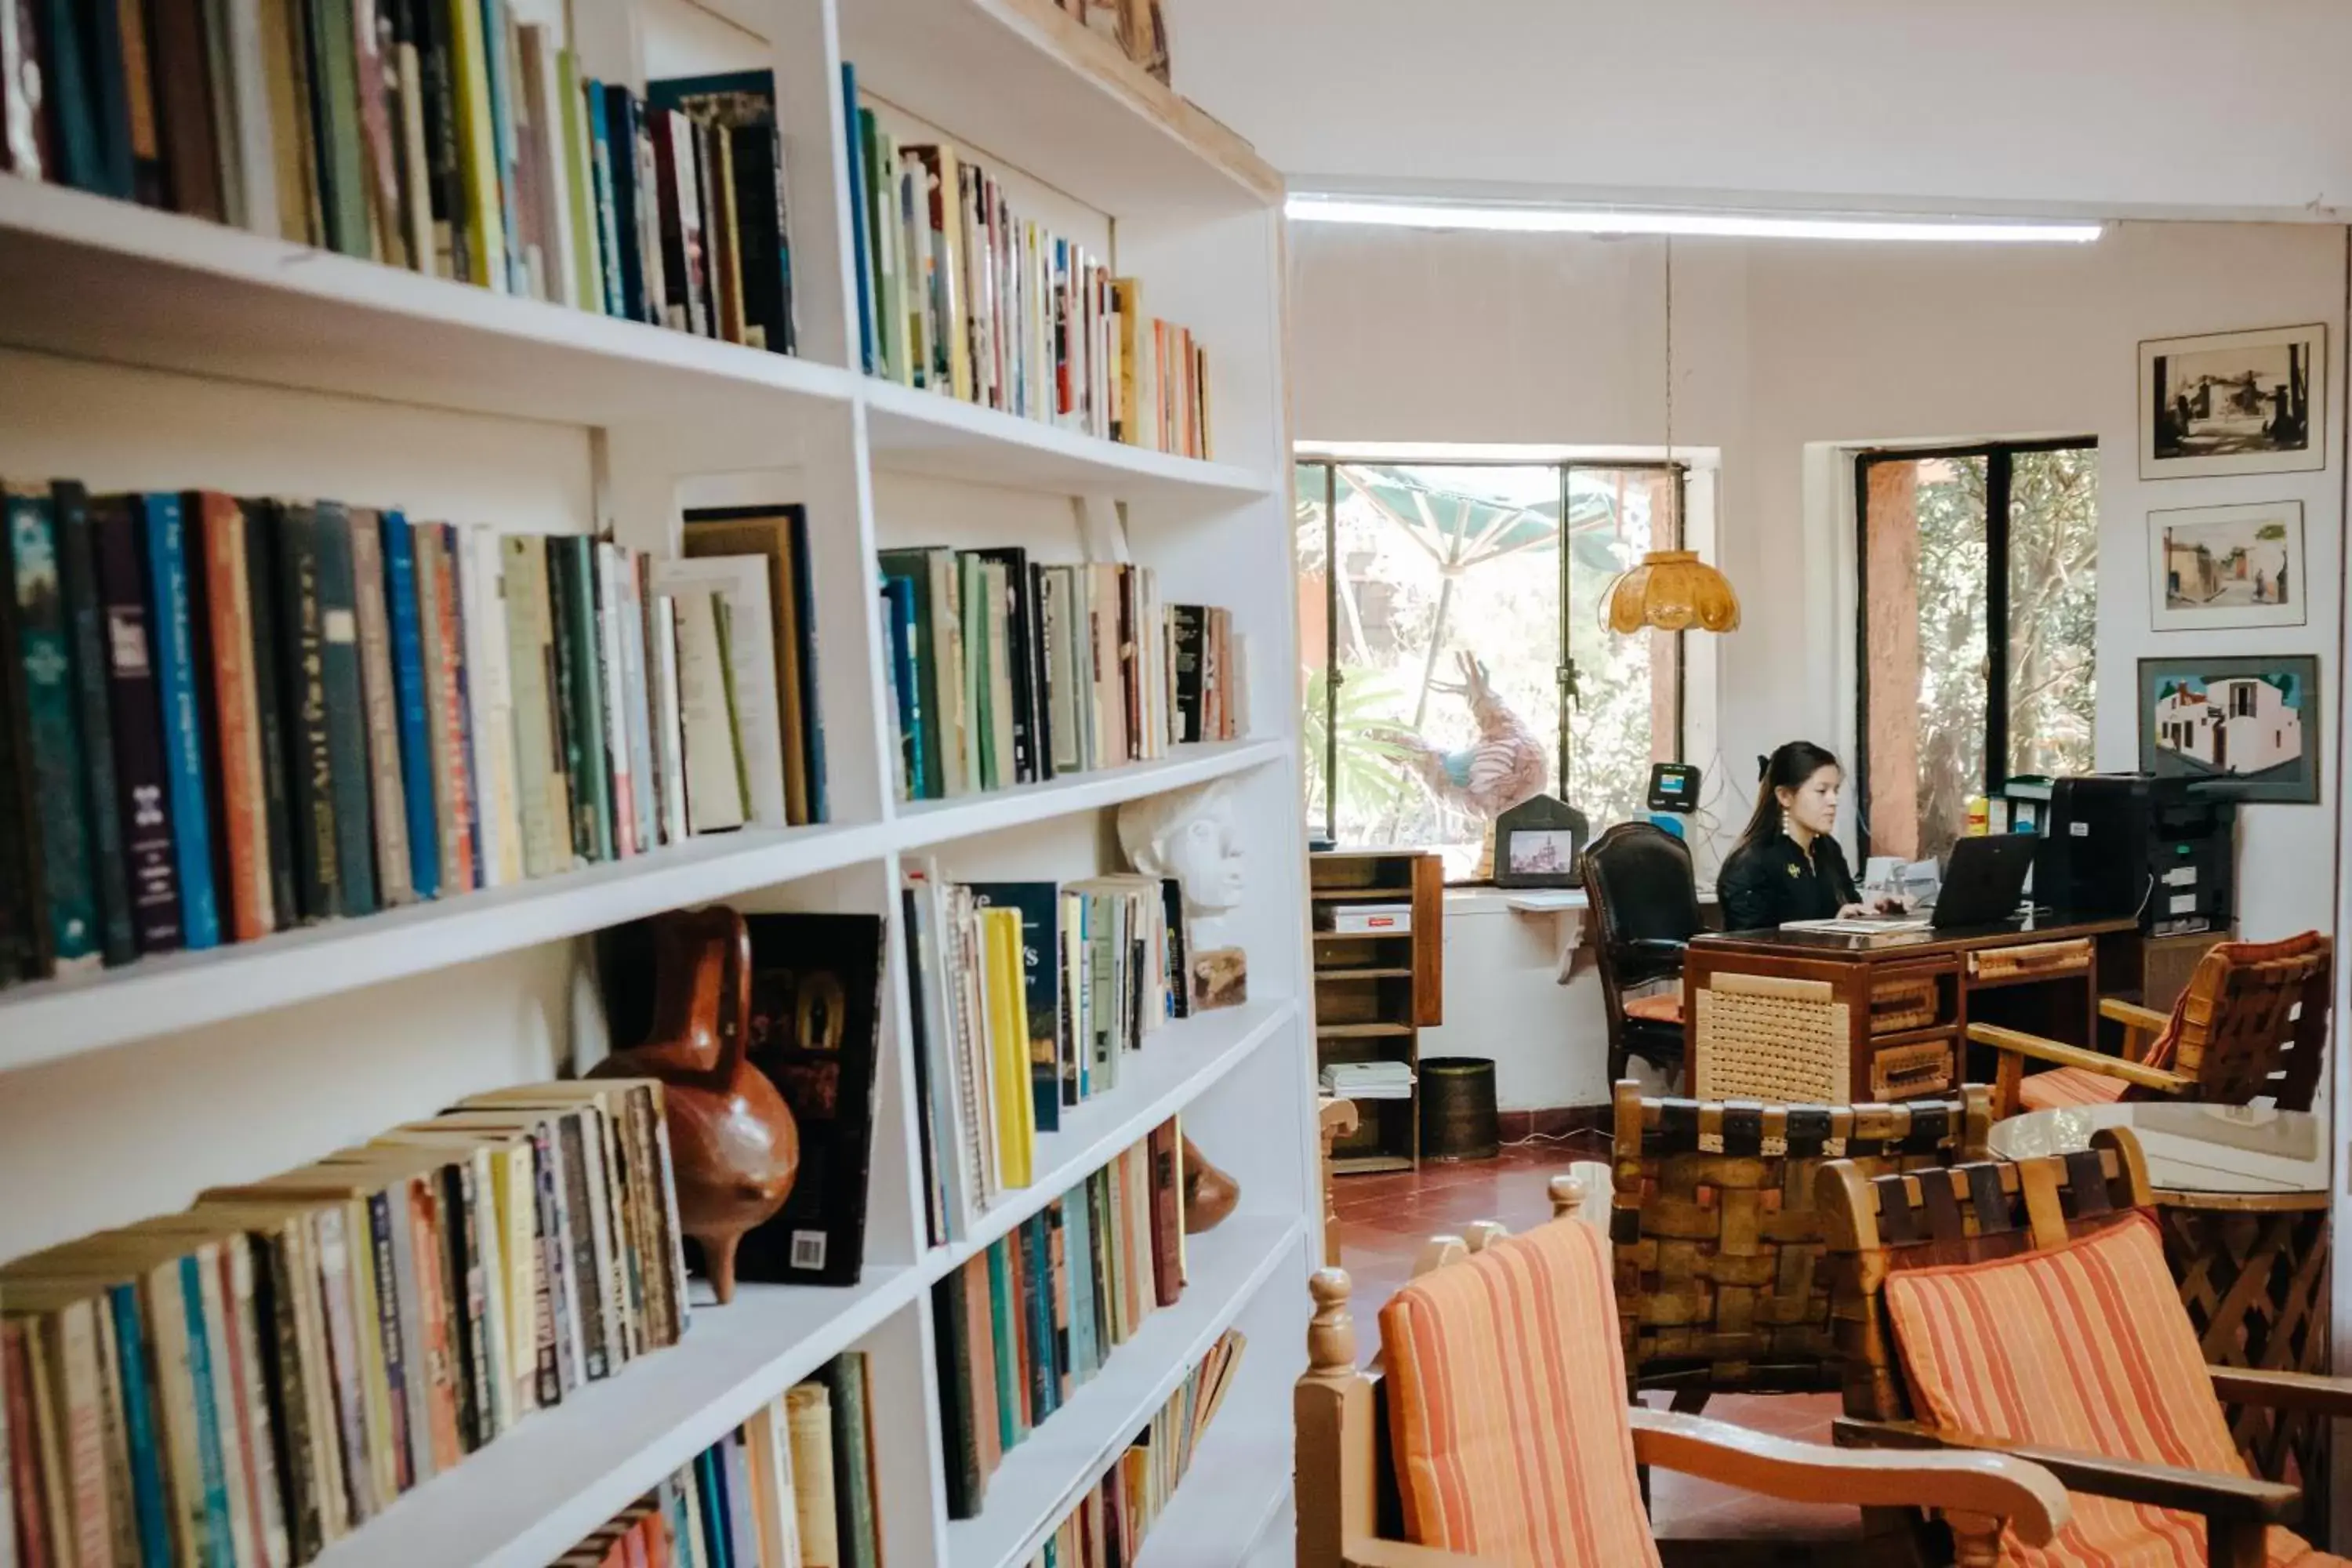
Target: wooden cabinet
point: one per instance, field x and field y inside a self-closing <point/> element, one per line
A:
<point x="1376" y="988"/>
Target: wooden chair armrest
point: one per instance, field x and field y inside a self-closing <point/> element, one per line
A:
<point x="2065" y="1056"/>
<point x="2132" y="1016"/>
<point x="2216" y="1496"/>
<point x="2283" y="1390"/>
<point x="1364" y="1551"/>
<point x="2030" y="1500"/>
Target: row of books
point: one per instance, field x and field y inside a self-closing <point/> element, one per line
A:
<point x="223" y="717"/>
<point x="1002" y="670"/>
<point x="1029" y="998"/>
<point x="1107" y="1527"/>
<point x="250" y="1381"/>
<point x="792" y="1487"/>
<point x="960" y="293"/>
<point x="445" y="136"/>
<point x="1026" y="1322"/>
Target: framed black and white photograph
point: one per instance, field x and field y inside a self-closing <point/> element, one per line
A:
<point x="2233" y="403"/>
<point x="2218" y="568"/>
<point x="2241" y="729"/>
<point x="1540" y="842"/>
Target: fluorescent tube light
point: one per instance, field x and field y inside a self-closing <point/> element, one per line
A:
<point x="1531" y="219"/>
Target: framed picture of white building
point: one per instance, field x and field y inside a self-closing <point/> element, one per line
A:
<point x="2246" y="729"/>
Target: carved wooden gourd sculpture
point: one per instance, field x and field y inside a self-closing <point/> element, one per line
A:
<point x="733" y="1143"/>
<point x="1210" y="1194"/>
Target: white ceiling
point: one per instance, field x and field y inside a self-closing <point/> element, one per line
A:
<point x="2149" y="107"/>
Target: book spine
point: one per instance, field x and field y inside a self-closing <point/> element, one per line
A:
<point x="538" y="769"/>
<point x="84" y="633"/>
<point x="135" y="711"/>
<point x="262" y="645"/>
<point x="612" y="703"/>
<point x="302" y="661"/>
<point x="457" y="667"/>
<point x="491" y="706"/>
<point x="347" y="719"/>
<point x="669" y="735"/>
<point x="243" y="816"/>
<point x="177" y="675"/>
<point x="45" y="661"/>
<point x="402" y="595"/>
<point x="388" y="810"/>
<point x="571" y="577"/>
<point x="636" y="694"/>
<point x="435" y="613"/>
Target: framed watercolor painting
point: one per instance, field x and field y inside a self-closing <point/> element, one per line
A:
<point x="2233" y="403"/>
<point x="2244" y="729"/>
<point x="2217" y="568"/>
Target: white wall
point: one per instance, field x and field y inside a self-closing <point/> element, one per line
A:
<point x="2109" y="104"/>
<point x="1781" y="347"/>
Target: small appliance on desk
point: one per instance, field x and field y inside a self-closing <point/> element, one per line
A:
<point x="2134" y="844"/>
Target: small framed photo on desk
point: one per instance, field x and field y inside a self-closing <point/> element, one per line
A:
<point x="1540" y="842"/>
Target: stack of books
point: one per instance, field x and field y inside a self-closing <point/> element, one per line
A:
<point x="1005" y="671"/>
<point x="1107" y="1527"/>
<point x="251" y="1379"/>
<point x="447" y="137"/>
<point x="961" y="294"/>
<point x="1029" y="997"/>
<point x="793" y="1485"/>
<point x="1369" y="1081"/>
<point x="1024" y="1323"/>
<point x="223" y="717"/>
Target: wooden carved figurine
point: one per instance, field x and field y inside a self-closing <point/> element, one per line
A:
<point x="733" y="1144"/>
<point x="1210" y="1194"/>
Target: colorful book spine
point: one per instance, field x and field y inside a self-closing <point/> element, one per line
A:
<point x="45" y="655"/>
<point x="244" y="818"/>
<point x="408" y="678"/>
<point x="302" y="635"/>
<point x="176" y="676"/>
<point x="388" y="798"/>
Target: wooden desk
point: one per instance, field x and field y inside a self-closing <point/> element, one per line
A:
<point x="1815" y="1017"/>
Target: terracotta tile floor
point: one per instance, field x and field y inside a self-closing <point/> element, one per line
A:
<point x="1385" y="1218"/>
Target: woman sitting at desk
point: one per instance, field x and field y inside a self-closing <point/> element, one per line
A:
<point x="1787" y="866"/>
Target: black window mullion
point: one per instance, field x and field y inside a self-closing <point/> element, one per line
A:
<point x="1862" y="467"/>
<point x="1563" y="665"/>
<point x="1997" y="493"/>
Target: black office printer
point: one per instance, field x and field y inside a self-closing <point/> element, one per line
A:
<point x="2121" y="844"/>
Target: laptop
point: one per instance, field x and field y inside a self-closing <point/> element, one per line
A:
<point x="1983" y="881"/>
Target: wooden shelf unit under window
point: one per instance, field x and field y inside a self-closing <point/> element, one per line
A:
<point x="1376" y="991"/>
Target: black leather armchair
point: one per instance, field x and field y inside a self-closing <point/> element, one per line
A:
<point x="1645" y="898"/>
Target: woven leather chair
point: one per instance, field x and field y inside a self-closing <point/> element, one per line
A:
<point x="1645" y="898"/>
<point x="2027" y="1308"/>
<point x="2250" y="1024"/>
<point x="1722" y="1279"/>
<point x="1500" y="1434"/>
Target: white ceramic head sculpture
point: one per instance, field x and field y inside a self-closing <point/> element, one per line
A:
<point x="1189" y="835"/>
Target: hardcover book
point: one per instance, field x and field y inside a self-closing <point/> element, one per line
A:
<point x="347" y="720"/>
<point x="261" y="598"/>
<point x="411" y="708"/>
<point x="177" y="677"/>
<point x="219" y="523"/>
<point x="389" y="808"/>
<point x="85" y="632"/>
<point x="302" y="635"/>
<point x="43" y="652"/>
<point x="135" y="708"/>
<point x="814" y="1029"/>
<point x="1039" y="906"/>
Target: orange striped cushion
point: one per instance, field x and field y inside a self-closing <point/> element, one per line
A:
<point x="2077" y="1348"/>
<point x="1507" y="1407"/>
<point x="2062" y="1087"/>
<point x="1663" y="1008"/>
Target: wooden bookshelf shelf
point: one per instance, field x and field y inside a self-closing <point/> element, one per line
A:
<point x="1357" y="895"/>
<point x="1363" y="1031"/>
<point x="1369" y="971"/>
<point x="1041" y="1479"/>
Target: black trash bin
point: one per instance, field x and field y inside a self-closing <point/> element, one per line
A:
<point x="1457" y="1108"/>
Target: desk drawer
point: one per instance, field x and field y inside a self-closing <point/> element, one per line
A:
<point x="2031" y="961"/>
<point x="1911" y="1071"/>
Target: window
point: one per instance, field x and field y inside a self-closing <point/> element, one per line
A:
<point x="1405" y="568"/>
<point x="1976" y="610"/>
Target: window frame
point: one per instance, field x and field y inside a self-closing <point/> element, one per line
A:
<point x="1565" y="673"/>
<point x="1999" y="457"/>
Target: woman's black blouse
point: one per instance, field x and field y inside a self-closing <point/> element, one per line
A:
<point x="1772" y="883"/>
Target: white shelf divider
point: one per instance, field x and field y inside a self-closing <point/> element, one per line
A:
<point x="926" y="822"/>
<point x="1039" y="1481"/>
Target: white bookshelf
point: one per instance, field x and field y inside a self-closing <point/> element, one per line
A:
<point x="139" y="349"/>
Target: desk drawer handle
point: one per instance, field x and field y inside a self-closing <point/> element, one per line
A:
<point x="2035" y="958"/>
<point x="1908" y="1071"/>
<point x="1897" y="1006"/>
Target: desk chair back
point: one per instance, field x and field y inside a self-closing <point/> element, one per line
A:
<point x="2252" y="1022"/>
<point x="1644" y="899"/>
